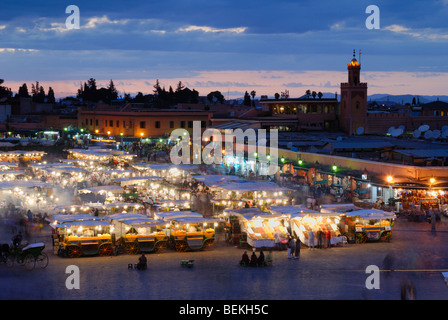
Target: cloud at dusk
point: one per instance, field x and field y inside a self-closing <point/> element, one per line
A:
<point x="229" y="46"/>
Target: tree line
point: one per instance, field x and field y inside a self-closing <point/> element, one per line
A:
<point x="89" y="91"/>
<point x="37" y="92"/>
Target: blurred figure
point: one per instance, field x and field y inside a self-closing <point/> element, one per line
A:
<point x="298" y="244"/>
<point x="407" y="290"/>
<point x="260" y="260"/>
<point x="311" y="239"/>
<point x="17" y="239"/>
<point x="244" y="259"/>
<point x="253" y="260"/>
<point x="142" y="262"/>
<point x="388" y="263"/>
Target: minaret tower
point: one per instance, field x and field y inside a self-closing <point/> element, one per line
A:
<point x="353" y="108"/>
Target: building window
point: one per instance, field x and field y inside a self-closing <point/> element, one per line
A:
<point x="96" y="122"/>
<point x="111" y="123"/>
<point x="182" y="124"/>
<point x="190" y="124"/>
<point x="142" y="124"/>
<point x="171" y="124"/>
<point x="87" y="121"/>
<point x="118" y="123"/>
<point x="158" y="124"/>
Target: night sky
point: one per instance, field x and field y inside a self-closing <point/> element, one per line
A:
<point x="231" y="46"/>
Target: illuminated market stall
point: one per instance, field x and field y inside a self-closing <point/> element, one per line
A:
<point x="367" y="225"/>
<point x="174" y="174"/>
<point x="72" y="211"/>
<point x="28" y="194"/>
<point x="262" y="229"/>
<point x="189" y="230"/>
<point x="84" y="238"/>
<point x="318" y="224"/>
<point x="172" y="205"/>
<point x="118" y="207"/>
<point x="21" y="155"/>
<point x="362" y="225"/>
<point x="137" y="233"/>
<point x="109" y="193"/>
<point x="233" y="192"/>
<point x="100" y="154"/>
<point x="291" y="210"/>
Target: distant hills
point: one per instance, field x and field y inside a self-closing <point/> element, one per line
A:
<point x="403" y="99"/>
<point x="386" y="99"/>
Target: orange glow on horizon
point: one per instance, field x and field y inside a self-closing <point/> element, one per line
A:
<point x="233" y="84"/>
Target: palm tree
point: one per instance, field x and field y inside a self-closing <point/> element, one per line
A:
<point x="253" y="93"/>
<point x="320" y="95"/>
<point x="314" y="94"/>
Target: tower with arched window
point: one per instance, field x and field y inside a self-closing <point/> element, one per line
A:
<point x="353" y="107"/>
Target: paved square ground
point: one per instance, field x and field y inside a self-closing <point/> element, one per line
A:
<point x="337" y="273"/>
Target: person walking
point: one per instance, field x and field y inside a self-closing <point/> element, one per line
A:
<point x="328" y="239"/>
<point x="320" y="238"/>
<point x="290" y="245"/>
<point x="311" y="239"/>
<point x="297" y="248"/>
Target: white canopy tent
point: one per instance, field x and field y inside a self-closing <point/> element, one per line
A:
<point x="102" y="189"/>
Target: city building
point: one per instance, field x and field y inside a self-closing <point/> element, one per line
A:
<point x="307" y="113"/>
<point x="353" y="107"/>
<point x="139" y="123"/>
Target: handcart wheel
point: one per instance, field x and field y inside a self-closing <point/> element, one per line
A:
<point x="209" y="244"/>
<point x="74" y="252"/>
<point x="160" y="247"/>
<point x="131" y="248"/>
<point x="42" y="260"/>
<point x="105" y="250"/>
<point x="29" y="261"/>
<point x="181" y="246"/>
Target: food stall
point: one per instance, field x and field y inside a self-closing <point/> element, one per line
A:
<point x="367" y="225"/>
<point x="109" y="193"/>
<point x="74" y="211"/>
<point x="172" y="205"/>
<point x="137" y="233"/>
<point x="338" y="208"/>
<point x="84" y="238"/>
<point x="319" y="223"/>
<point x="189" y="230"/>
<point x="262" y="229"/>
<point x="29" y="194"/>
<point x="118" y="207"/>
<point x="291" y="210"/>
<point x="172" y="173"/>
